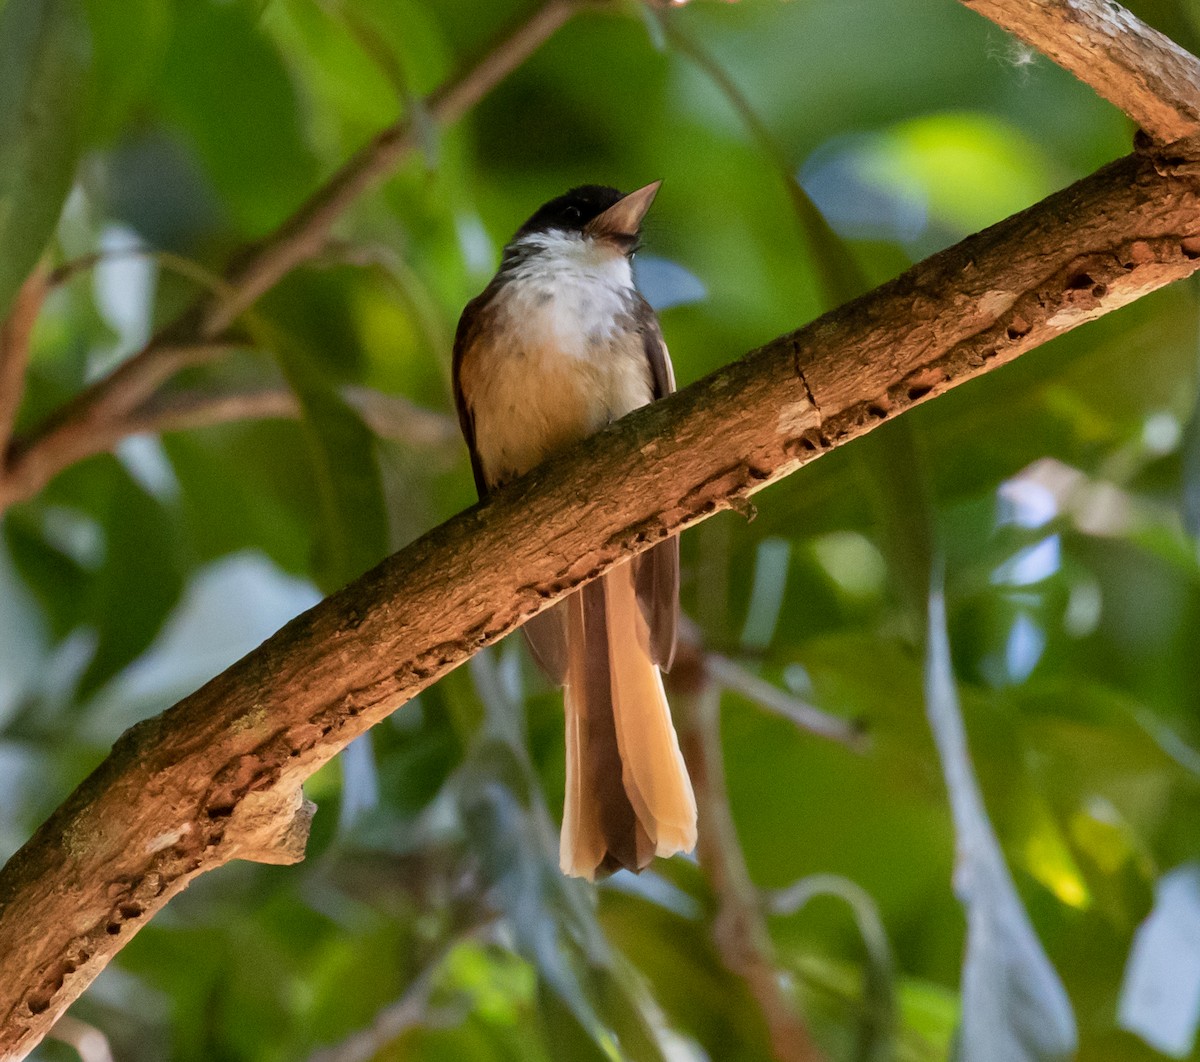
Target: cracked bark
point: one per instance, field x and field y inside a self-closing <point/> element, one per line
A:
<point x="1143" y="72"/>
<point x="218" y="776"/>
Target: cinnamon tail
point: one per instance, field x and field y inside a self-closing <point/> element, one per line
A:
<point x="628" y="795"/>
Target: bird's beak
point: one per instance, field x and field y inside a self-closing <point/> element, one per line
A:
<point x="624" y="217"/>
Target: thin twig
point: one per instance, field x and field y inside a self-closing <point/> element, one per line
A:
<point x="740" y="928"/>
<point x="15" y="334"/>
<point x="411" y="1010"/>
<point x="1146" y="74"/>
<point x="56" y="443"/>
<point x="388" y="416"/>
<point x="732" y="676"/>
<point x="878" y="1028"/>
<point x="303" y="235"/>
<point x="205" y="278"/>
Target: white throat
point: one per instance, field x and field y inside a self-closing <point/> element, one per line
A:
<point x="573" y="290"/>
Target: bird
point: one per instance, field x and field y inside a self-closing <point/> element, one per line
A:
<point x="557" y="346"/>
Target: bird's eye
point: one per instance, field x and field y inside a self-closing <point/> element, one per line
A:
<point x="573" y="213"/>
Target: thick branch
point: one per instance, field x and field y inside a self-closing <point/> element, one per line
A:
<point x="1146" y="74"/>
<point x="63" y="439"/>
<point x="218" y="776"/>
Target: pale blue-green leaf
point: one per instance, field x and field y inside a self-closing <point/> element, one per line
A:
<point x="1014" y="1006"/>
<point x="45" y="51"/>
<point x="1160" y="996"/>
<point x="553" y="918"/>
<point x="360" y="781"/>
<point x="666" y="284"/>
<point x="228" y="607"/>
<point x="766" y="593"/>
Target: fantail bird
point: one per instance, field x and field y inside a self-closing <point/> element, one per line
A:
<point x="558" y="345"/>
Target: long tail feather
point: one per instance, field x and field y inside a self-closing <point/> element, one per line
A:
<point x="628" y="794"/>
<point x="581" y="846"/>
<point x="656" y="779"/>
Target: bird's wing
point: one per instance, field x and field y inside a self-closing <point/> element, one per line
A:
<point x="656" y="571"/>
<point x="464" y="337"/>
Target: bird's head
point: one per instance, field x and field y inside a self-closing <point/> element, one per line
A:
<point x="593" y="216"/>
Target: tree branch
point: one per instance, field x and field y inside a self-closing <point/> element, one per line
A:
<point x="1143" y="72"/>
<point x="15" y="333"/>
<point x="739" y="929"/>
<point x="730" y="675"/>
<point x="390" y="417"/>
<point x="62" y="439"/>
<point x="218" y="776"/>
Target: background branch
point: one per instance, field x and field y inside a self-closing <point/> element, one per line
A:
<point x="740" y="930"/>
<point x="15" y="333"/>
<point x="391" y="417"/>
<point x="63" y="438"/>
<point x="218" y="776"/>
<point x="730" y="675"/>
<point x="1146" y="74"/>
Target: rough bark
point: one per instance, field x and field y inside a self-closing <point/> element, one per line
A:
<point x="1143" y="72"/>
<point x="217" y="777"/>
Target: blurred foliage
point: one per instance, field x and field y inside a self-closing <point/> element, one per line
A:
<point x="1062" y="490"/>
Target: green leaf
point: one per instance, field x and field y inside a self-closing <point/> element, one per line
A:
<point x="342" y="450"/>
<point x="45" y="54"/>
<point x="224" y="86"/>
<point x="139" y="581"/>
<point x="55" y="578"/>
<point x="1189" y="473"/>
<point x="130" y="39"/>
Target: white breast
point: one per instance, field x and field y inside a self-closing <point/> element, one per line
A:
<point x="564" y="356"/>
